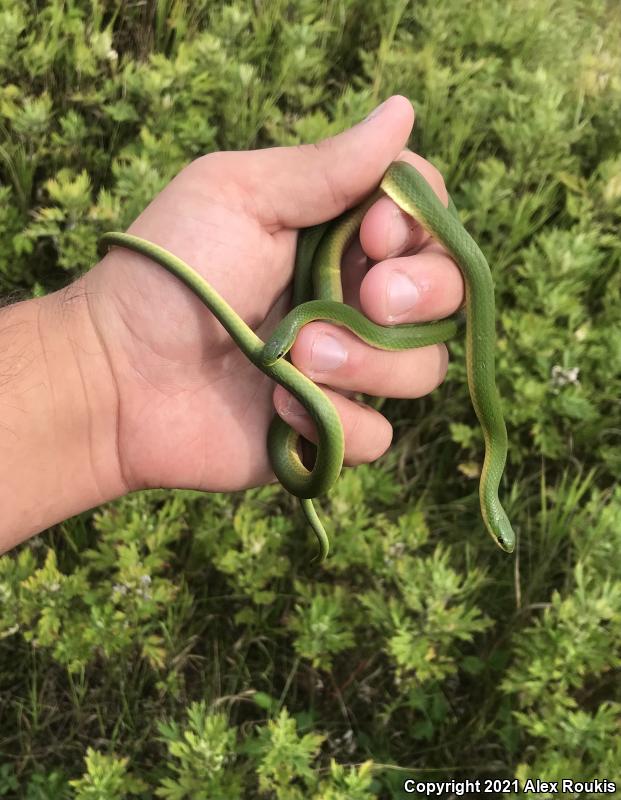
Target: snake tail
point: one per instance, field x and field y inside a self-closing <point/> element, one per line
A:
<point x="315" y="523"/>
<point x="409" y="189"/>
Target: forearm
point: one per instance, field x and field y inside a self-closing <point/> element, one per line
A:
<point x="58" y="413"/>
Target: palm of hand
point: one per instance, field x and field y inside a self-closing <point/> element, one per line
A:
<point x="193" y="411"/>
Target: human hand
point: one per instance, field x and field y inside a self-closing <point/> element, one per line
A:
<point x="192" y="411"/>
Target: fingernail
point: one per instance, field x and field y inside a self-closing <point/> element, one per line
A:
<point x="375" y="112"/>
<point x="327" y="353"/>
<point x="292" y="407"/>
<point x="401" y="294"/>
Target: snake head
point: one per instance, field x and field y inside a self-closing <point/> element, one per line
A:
<point x="504" y="533"/>
<point x="272" y="352"/>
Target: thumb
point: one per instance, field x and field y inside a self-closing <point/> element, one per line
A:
<point x="300" y="186"/>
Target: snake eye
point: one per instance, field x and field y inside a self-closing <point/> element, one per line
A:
<point x="271" y="354"/>
<point x="277" y="356"/>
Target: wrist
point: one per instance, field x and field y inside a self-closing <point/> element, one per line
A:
<point x="59" y="409"/>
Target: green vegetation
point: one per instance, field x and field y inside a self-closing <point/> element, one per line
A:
<point x="178" y="645"/>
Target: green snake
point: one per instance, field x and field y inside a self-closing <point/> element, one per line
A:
<point x="317" y="295"/>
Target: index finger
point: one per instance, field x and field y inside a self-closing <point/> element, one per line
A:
<point x="388" y="231"/>
<point x="415" y="279"/>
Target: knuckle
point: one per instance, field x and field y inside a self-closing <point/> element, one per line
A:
<point x="324" y="148"/>
<point x="354" y="421"/>
<point x="336" y="192"/>
<point x="432" y="175"/>
<point x="205" y="162"/>
<point x="436" y="179"/>
<point x="357" y="357"/>
<point x="217" y="164"/>
<point x="437" y="368"/>
<point x="368" y="433"/>
<point x="382" y="438"/>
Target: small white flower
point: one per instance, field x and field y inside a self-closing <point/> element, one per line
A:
<point x="562" y="376"/>
<point x="397" y="549"/>
<point x="349" y="742"/>
<point x="246" y="74"/>
<point x="10" y="631"/>
<point x="364" y="692"/>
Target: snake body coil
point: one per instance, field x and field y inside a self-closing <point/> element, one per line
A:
<point x="318" y="295"/>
